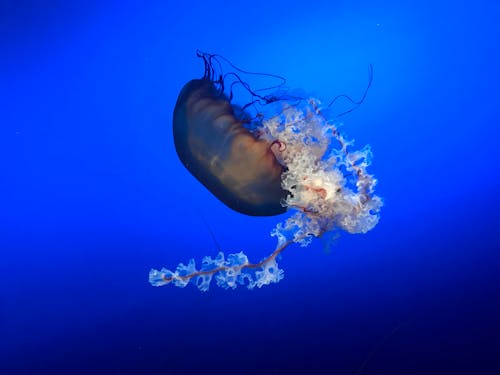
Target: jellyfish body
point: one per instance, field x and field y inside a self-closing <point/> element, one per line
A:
<point x="314" y="173"/>
<point x="212" y="143"/>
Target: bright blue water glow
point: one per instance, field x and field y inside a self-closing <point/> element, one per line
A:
<point x="93" y="194"/>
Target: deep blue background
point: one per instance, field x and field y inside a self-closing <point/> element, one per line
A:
<point x="93" y="195"/>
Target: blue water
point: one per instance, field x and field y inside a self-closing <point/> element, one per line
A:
<point x="93" y="194"/>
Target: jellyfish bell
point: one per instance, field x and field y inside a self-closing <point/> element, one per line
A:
<point x="215" y="146"/>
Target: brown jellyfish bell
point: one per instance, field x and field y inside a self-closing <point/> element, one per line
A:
<point x="214" y="145"/>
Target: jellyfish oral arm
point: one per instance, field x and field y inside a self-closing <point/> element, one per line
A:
<point x="228" y="273"/>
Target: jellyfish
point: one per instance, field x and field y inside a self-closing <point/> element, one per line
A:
<point x="288" y="157"/>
